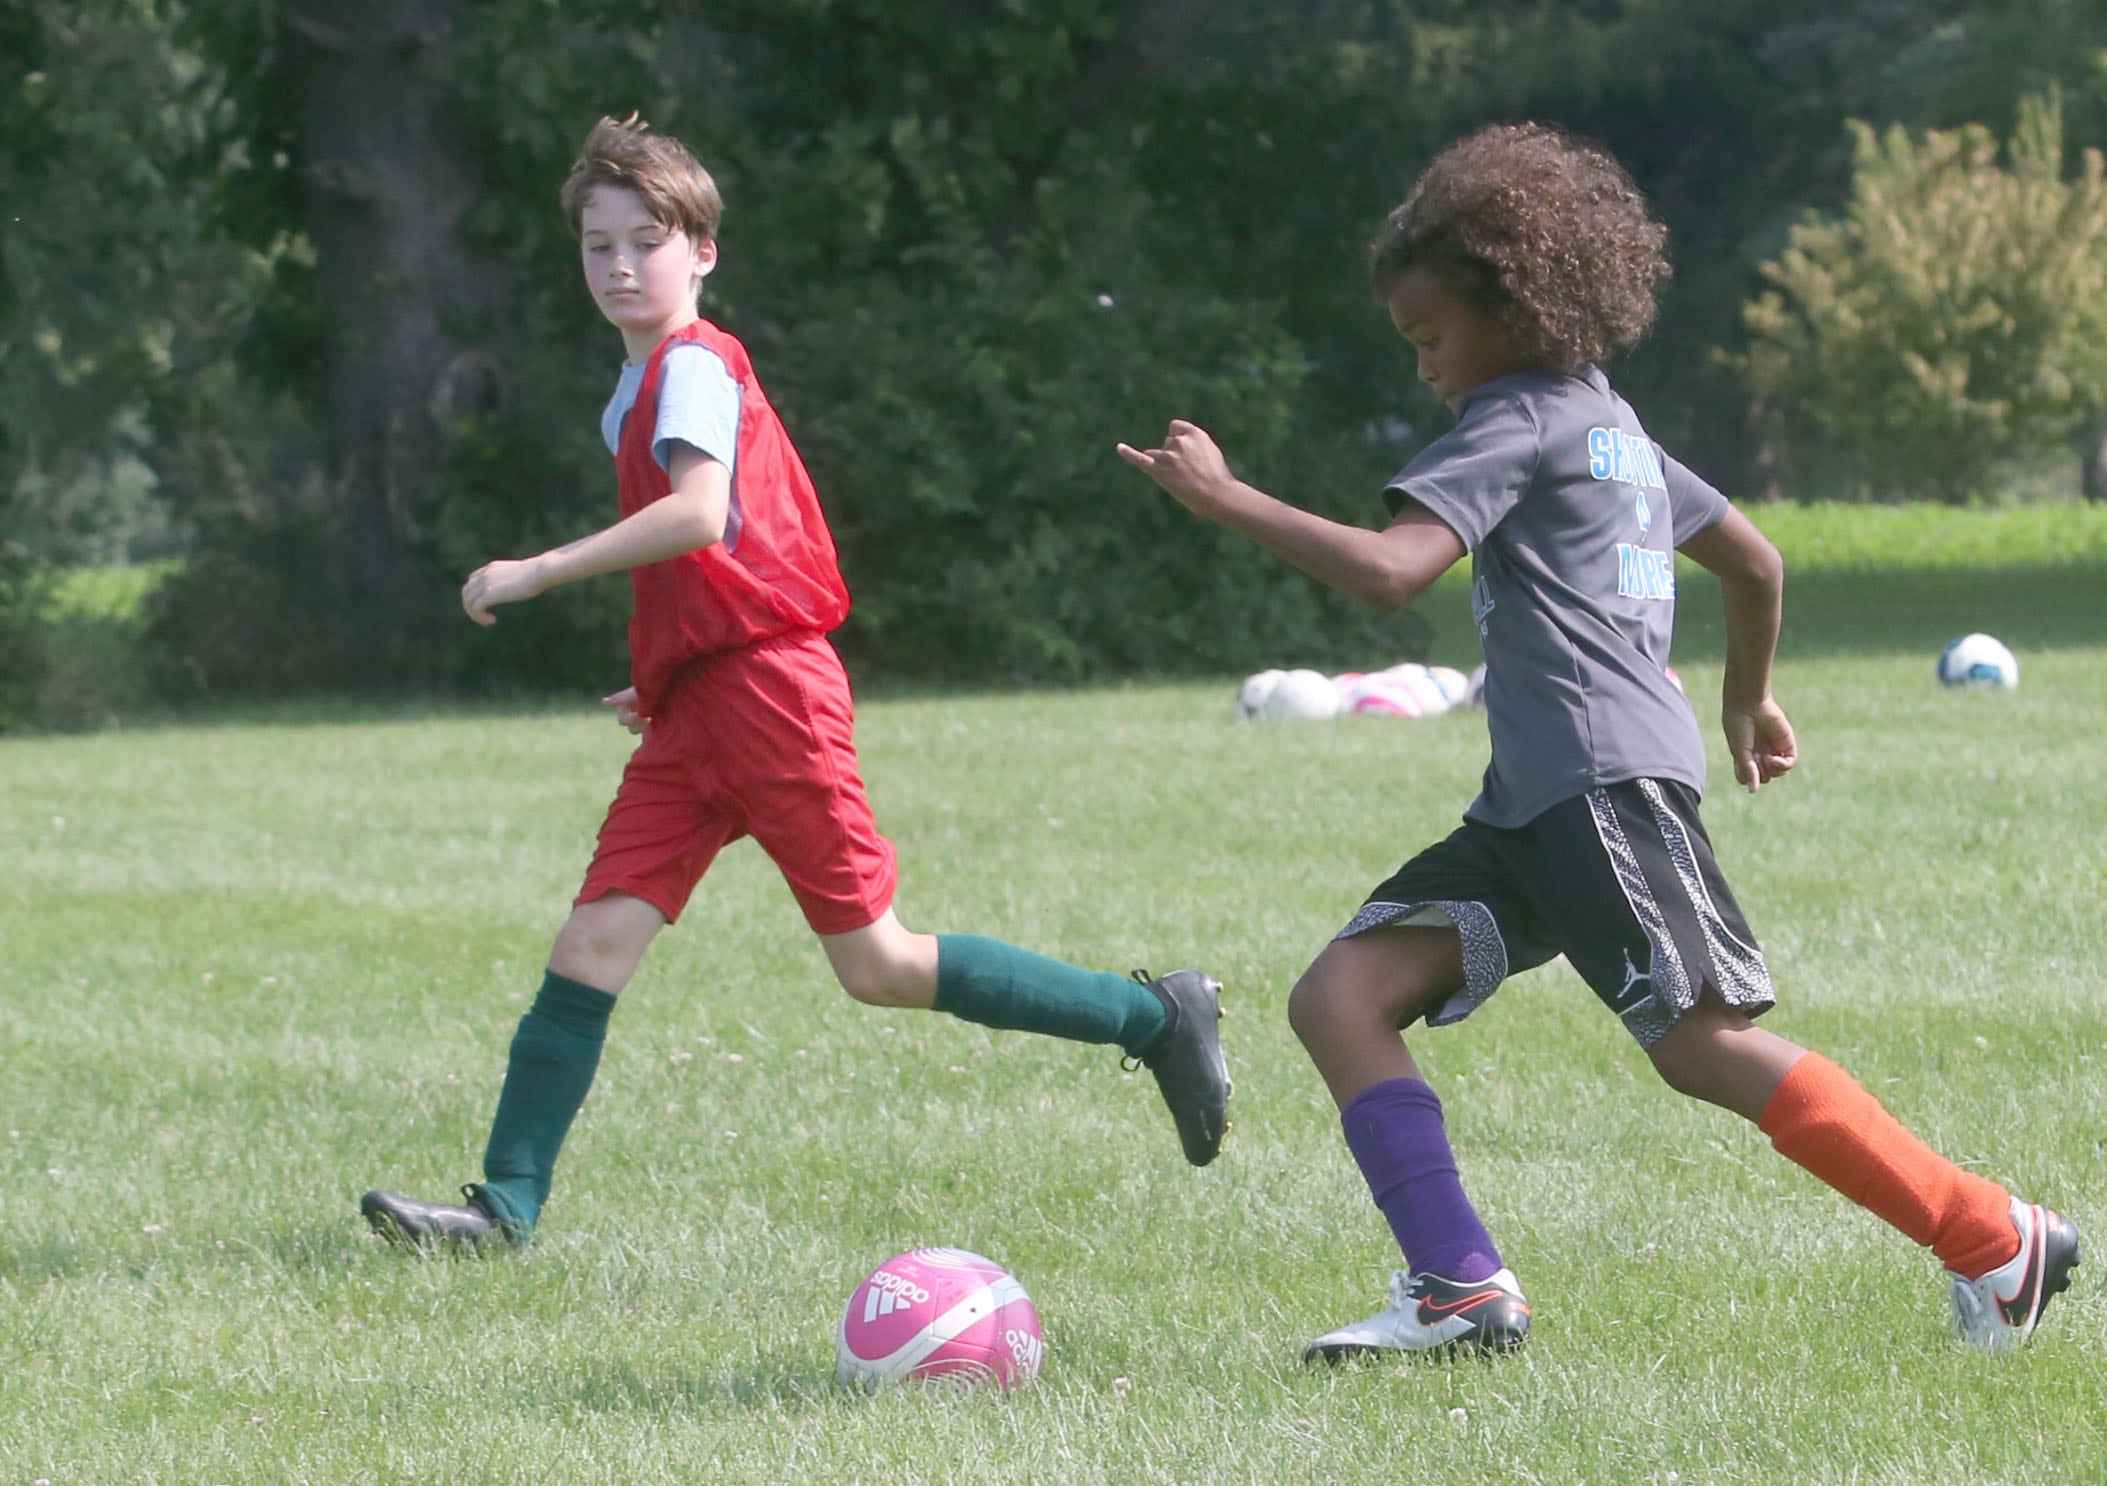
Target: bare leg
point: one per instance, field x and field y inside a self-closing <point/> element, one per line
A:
<point x="1348" y="1009"/>
<point x="885" y="964"/>
<point x="602" y="942"/>
<point x="554" y="1056"/>
<point x="1351" y="1002"/>
<point x="1822" y="1119"/>
<point x="1715" y="1053"/>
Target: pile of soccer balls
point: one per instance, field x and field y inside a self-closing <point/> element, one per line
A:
<point x="1410" y="690"/>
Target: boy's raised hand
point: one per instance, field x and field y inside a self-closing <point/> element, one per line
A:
<point x="501" y="582"/>
<point x="1761" y="741"/>
<point x="1189" y="465"/>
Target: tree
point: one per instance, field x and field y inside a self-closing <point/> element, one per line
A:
<point x="1956" y="314"/>
<point x="111" y="283"/>
<point x="407" y="296"/>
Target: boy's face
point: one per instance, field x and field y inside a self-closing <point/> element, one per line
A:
<point x="1459" y="348"/>
<point x="643" y="274"/>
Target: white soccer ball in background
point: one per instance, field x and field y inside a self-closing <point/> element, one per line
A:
<point x="1251" y="696"/>
<point x="938" y="1314"/>
<point x="1978" y="660"/>
<point x="1453" y="683"/>
<point x="1301" y="694"/>
<point x="1474" y="688"/>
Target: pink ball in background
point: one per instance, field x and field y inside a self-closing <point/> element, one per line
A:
<point x="1383" y="696"/>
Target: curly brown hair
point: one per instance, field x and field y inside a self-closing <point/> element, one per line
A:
<point x="675" y="189"/>
<point x="1545" y="233"/>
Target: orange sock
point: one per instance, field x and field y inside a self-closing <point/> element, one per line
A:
<point x="1821" y="1118"/>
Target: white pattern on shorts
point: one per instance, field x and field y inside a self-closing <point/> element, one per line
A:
<point x="1484" y="951"/>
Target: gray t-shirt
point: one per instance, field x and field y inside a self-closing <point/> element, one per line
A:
<point x="1572" y="516"/>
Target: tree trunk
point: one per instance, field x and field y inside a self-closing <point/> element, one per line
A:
<point x="2090" y="444"/>
<point x="1766" y="451"/>
<point x="388" y="178"/>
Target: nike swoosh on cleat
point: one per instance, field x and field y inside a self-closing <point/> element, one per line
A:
<point x="1433" y="1310"/>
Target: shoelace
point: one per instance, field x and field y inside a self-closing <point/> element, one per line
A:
<point x="1129" y="1062"/>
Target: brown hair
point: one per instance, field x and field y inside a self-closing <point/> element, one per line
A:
<point x="1546" y="234"/>
<point x="675" y="189"/>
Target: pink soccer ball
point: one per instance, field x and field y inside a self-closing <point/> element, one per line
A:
<point x="1409" y="690"/>
<point x="1384" y="696"/>
<point x="938" y="1314"/>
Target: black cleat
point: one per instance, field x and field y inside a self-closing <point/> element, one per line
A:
<point x="1187" y="1060"/>
<point x="429" y="1226"/>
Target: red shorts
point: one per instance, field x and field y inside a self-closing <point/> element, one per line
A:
<point x="761" y="742"/>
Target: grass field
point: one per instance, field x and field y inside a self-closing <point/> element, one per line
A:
<point x="254" y="966"/>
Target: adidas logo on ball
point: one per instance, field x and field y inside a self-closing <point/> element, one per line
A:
<point x="944" y="1314"/>
<point x="888" y="1292"/>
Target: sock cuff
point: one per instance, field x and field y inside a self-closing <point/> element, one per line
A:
<point x="572" y="1004"/>
<point x="1813" y="1090"/>
<point x="505" y="1210"/>
<point x="1393" y="1094"/>
<point x="950" y="974"/>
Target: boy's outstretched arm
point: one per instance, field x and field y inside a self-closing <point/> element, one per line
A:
<point x="1388" y="568"/>
<point x="691" y="517"/>
<point x="1752" y="585"/>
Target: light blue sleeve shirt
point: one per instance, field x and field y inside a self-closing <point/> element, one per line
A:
<point x="698" y="405"/>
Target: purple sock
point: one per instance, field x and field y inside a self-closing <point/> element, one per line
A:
<point x="1395" y="1132"/>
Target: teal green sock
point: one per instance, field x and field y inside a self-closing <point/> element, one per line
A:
<point x="1000" y="985"/>
<point x="555" y="1053"/>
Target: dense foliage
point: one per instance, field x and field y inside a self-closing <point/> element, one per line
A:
<point x="1954" y="318"/>
<point x="967" y="256"/>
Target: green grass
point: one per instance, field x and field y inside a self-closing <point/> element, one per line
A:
<point x="252" y="968"/>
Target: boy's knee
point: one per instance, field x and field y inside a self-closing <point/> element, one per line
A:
<point x="1680" y="1067"/>
<point x="601" y="942"/>
<point x="1311" y="1005"/>
<point x="1323" y="1004"/>
<point x="589" y="940"/>
<point x="1692" y="1056"/>
<point x="876" y="982"/>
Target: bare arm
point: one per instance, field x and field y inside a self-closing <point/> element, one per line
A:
<point x="691" y="517"/>
<point x="1388" y="568"/>
<point x="1752" y="587"/>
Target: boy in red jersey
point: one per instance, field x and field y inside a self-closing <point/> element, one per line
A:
<point x="746" y="720"/>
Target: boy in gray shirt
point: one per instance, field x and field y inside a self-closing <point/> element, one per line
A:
<point x="1519" y="261"/>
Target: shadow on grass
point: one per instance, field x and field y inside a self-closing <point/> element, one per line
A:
<point x="327" y="1251"/>
<point x="33" y="1263"/>
<point x="1831" y="611"/>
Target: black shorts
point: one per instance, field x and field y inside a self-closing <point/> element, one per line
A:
<point x="1620" y="881"/>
